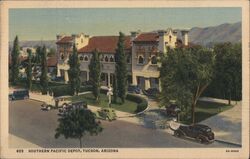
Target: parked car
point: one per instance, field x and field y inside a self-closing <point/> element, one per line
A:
<point x="46" y="107"/>
<point x="172" y="110"/>
<point x="199" y="132"/>
<point x="10" y="97"/>
<point x="106" y="114"/>
<point x="56" y="102"/>
<point x="64" y="110"/>
<point x="70" y="106"/>
<point x="152" y="92"/>
<point x="134" y="89"/>
<point x="19" y="94"/>
<point x="80" y="105"/>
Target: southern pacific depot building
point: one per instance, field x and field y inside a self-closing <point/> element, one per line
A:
<point x="142" y="50"/>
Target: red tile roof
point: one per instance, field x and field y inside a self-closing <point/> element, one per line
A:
<point x="105" y="44"/>
<point x="52" y="61"/>
<point x="147" y="37"/>
<point x="65" y="39"/>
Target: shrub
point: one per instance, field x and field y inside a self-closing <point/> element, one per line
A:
<point x="62" y="90"/>
<point x="36" y="87"/>
<point x="103" y="91"/>
<point x="85" y="88"/>
<point x="141" y="102"/>
<point x="21" y="82"/>
<point x="134" y="98"/>
<point x="142" y="106"/>
<point x="184" y="117"/>
<point x="52" y="84"/>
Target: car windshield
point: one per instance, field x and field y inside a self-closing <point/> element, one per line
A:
<point x="19" y="92"/>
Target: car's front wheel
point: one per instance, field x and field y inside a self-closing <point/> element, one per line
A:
<point x="64" y="105"/>
<point x="199" y="139"/>
<point x="26" y="97"/>
<point x="177" y="133"/>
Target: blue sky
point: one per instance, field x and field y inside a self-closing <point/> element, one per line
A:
<point x="44" y="24"/>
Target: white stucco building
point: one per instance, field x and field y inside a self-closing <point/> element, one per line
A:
<point x="142" y="50"/>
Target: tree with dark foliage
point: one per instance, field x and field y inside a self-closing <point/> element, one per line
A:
<point x="15" y="61"/>
<point x="74" y="72"/>
<point x="121" y="68"/>
<point x="29" y="70"/>
<point x="76" y="123"/>
<point x="185" y="74"/>
<point x="95" y="74"/>
<point x="44" y="69"/>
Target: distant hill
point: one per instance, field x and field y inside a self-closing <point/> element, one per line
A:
<point x="221" y="33"/>
<point x="204" y="36"/>
<point x="47" y="43"/>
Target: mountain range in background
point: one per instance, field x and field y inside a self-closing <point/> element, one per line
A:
<point x="203" y="36"/>
<point x="222" y="33"/>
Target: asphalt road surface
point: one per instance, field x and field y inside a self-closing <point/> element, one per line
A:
<point x="30" y="123"/>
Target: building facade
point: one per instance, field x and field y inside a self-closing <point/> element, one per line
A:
<point x="142" y="49"/>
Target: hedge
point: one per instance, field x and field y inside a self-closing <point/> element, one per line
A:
<point x="22" y="83"/>
<point x="103" y="91"/>
<point x="65" y="90"/>
<point x="142" y="103"/>
<point x="85" y="88"/>
<point x="52" y="84"/>
<point x="60" y="90"/>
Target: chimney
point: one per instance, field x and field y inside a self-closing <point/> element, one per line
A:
<point x="162" y="41"/>
<point x="73" y="36"/>
<point x="59" y="36"/>
<point x="184" y="34"/>
<point x="134" y="34"/>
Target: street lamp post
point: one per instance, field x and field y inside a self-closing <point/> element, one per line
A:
<point x="109" y="94"/>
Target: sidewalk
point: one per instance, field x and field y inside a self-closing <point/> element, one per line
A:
<point x="17" y="142"/>
<point x="227" y="125"/>
<point x="36" y="96"/>
<point x="209" y="99"/>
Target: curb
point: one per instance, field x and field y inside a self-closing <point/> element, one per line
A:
<point x="133" y="115"/>
<point x="227" y="142"/>
<point x="35" y="100"/>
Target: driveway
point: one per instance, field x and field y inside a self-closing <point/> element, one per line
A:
<point x="30" y="124"/>
<point x="227" y="124"/>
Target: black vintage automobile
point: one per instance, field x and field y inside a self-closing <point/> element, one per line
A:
<point x="71" y="106"/>
<point x="199" y="132"/>
<point x="172" y="110"/>
<point x="19" y="94"/>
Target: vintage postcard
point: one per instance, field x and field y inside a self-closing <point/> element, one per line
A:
<point x="124" y="79"/>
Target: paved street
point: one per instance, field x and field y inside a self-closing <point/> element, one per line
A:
<point x="29" y="123"/>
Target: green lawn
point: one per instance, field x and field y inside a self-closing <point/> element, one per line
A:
<point x="128" y="106"/>
<point x="205" y="110"/>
